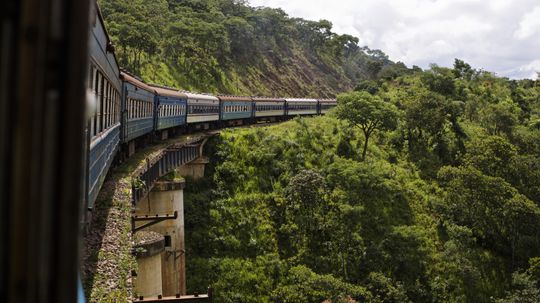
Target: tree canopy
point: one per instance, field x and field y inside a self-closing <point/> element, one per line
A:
<point x="228" y="46"/>
<point x="367" y="112"/>
<point x="446" y="207"/>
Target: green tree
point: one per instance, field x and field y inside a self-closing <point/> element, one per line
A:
<point x="500" y="118"/>
<point x="368" y="113"/>
<point x="524" y="290"/>
<point x="501" y="218"/>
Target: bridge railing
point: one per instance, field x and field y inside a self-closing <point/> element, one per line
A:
<point x="167" y="161"/>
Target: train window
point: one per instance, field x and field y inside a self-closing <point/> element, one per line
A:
<point x="96" y="111"/>
<point x="100" y="104"/>
<point x="104" y="105"/>
<point x="112" y="104"/>
<point x="108" y="106"/>
<point x="93" y="83"/>
<point x="112" y="117"/>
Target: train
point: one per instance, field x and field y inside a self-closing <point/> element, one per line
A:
<point x="129" y="113"/>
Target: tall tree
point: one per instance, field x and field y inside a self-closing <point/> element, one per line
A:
<point x="368" y="113"/>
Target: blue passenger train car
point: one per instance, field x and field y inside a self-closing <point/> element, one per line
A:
<point x="203" y="110"/>
<point x="235" y="108"/>
<point x="170" y="108"/>
<point x="325" y="105"/>
<point x="268" y="109"/>
<point x="103" y="128"/>
<point x="137" y="110"/>
<point x="296" y="106"/>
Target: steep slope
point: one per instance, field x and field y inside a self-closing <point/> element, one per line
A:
<point x="229" y="47"/>
<point x="445" y="208"/>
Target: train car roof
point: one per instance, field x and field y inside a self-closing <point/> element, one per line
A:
<point x="327" y="100"/>
<point x="201" y="96"/>
<point x="263" y="99"/>
<point x="125" y="76"/>
<point x="169" y="92"/>
<point x="110" y="46"/>
<point x="300" y="100"/>
<point x="235" y="98"/>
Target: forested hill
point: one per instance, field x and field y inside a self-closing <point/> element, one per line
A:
<point x="227" y="46"/>
<point x="442" y="206"/>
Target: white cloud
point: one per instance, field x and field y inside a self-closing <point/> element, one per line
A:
<point x="497" y="35"/>
<point x="529" y="25"/>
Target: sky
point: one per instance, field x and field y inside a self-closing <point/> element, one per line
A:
<point x="502" y="36"/>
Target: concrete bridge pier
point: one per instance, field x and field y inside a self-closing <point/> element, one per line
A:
<point x="194" y="169"/>
<point x="164" y="208"/>
<point x="149" y="248"/>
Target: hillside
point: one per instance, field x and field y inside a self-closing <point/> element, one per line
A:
<point x="445" y="207"/>
<point x="227" y="46"/>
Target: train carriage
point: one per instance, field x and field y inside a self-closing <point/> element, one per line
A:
<point x="235" y="108"/>
<point x="170" y="108"/>
<point x="296" y="106"/>
<point x="137" y="110"/>
<point x="202" y="109"/>
<point x="103" y="128"/>
<point x="268" y="108"/>
<point x="325" y="105"/>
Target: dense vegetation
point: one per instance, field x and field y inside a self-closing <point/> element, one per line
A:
<point x="445" y="207"/>
<point x="426" y="189"/>
<point x="227" y="46"/>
